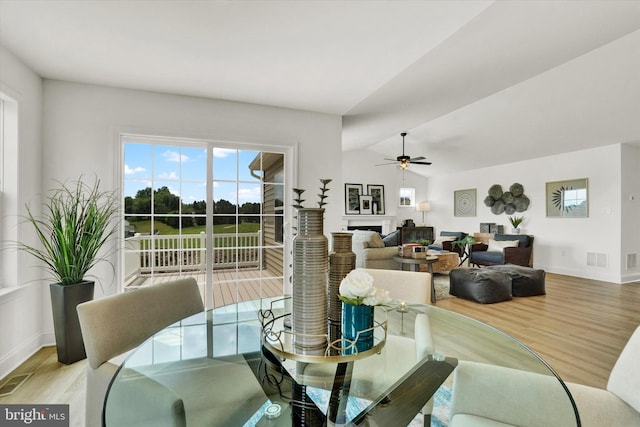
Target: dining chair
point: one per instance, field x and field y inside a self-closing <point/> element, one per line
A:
<point x="484" y="395"/>
<point x="114" y="325"/>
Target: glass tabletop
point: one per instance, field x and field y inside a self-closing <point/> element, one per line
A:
<point x="212" y="369"/>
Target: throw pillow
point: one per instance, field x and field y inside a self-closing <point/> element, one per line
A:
<point x="442" y="239"/>
<point x="375" y="241"/>
<point x="391" y="239"/>
<point x="498" y="246"/>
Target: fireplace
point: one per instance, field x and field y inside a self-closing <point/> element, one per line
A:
<point x="377" y="228"/>
<point x="381" y="223"/>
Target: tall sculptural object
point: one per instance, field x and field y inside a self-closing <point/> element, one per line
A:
<point x="341" y="261"/>
<point x="310" y="276"/>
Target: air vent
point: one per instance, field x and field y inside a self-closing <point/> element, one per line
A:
<point x="12" y="384"/>
<point x="596" y="259"/>
<point x="632" y="261"/>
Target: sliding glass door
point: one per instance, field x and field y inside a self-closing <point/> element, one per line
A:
<point x="206" y="210"/>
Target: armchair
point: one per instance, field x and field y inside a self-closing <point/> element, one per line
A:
<point x="499" y="252"/>
<point x="445" y="242"/>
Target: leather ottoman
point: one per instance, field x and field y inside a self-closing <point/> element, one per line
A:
<point x="525" y="281"/>
<point x="480" y="285"/>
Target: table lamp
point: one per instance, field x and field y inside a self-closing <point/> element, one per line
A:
<point x="423" y="207"/>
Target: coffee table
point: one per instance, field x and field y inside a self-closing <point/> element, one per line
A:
<point x="211" y="369"/>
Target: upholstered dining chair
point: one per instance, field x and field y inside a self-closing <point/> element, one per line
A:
<point x="113" y="325"/>
<point x="409" y="286"/>
<point x="478" y="391"/>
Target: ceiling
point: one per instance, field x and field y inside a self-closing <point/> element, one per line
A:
<point x="474" y="83"/>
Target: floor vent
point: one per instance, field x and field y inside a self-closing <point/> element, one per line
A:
<point x="632" y="261"/>
<point x="12" y="384"/>
<point x="595" y="259"/>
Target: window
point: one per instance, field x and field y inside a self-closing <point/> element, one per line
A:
<point x="8" y="187"/>
<point x="407" y="197"/>
<point x="206" y="210"/>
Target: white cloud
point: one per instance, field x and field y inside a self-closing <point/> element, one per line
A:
<point x="249" y="195"/>
<point x="170" y="175"/>
<point x="174" y="156"/>
<point x="223" y="152"/>
<point x="129" y="171"/>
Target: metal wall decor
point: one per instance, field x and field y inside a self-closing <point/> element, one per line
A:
<point x="508" y="202"/>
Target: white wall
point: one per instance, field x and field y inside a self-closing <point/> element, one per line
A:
<point x="561" y="244"/>
<point x="82" y="124"/>
<point x="21" y="306"/>
<point x="630" y="198"/>
<point x="359" y="167"/>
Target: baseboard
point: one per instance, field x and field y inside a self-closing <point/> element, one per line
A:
<point x="21" y="354"/>
<point x="630" y="278"/>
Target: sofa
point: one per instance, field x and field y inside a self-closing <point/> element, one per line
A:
<point x="372" y="251"/>
<point x="503" y="249"/>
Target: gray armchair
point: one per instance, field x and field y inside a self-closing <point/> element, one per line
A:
<point x="482" y="254"/>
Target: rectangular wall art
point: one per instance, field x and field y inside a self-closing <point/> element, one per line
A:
<point x="568" y="199"/>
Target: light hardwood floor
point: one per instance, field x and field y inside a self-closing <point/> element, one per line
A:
<point x="579" y="327"/>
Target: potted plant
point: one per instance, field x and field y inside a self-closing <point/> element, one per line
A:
<point x="76" y="222"/>
<point x="359" y="297"/>
<point x="515" y="222"/>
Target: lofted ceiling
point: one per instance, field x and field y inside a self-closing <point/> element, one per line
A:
<point x="474" y="83"/>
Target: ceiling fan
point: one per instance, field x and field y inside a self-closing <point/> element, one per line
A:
<point x="404" y="160"/>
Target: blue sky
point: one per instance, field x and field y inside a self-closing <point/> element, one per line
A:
<point x="184" y="171"/>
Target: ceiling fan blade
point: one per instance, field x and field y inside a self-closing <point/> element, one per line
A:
<point x="392" y="160"/>
<point x="418" y="158"/>
<point x="383" y="164"/>
<point x="420" y="163"/>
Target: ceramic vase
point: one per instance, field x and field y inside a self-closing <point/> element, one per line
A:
<point x="310" y="275"/>
<point x="357" y="325"/>
<point x="341" y="261"/>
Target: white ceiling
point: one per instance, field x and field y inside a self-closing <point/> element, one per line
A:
<point x="475" y="83"/>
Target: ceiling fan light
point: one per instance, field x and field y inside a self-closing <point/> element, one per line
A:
<point x="403" y="165"/>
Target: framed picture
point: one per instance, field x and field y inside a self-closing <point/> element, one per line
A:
<point x="464" y="202"/>
<point x="568" y="199"/>
<point x="352" y="193"/>
<point x="407" y="197"/>
<point x="366" y="203"/>
<point x="377" y="192"/>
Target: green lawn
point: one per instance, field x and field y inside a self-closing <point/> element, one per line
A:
<point x="144" y="227"/>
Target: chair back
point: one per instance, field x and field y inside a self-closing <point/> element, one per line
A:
<point x="410" y="286"/>
<point x="624" y="380"/>
<point x="524" y="240"/>
<point x="118" y="323"/>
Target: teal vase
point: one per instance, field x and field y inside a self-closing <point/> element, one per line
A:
<point x="357" y="319"/>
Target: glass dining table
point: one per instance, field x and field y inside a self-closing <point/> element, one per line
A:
<point x="219" y="368"/>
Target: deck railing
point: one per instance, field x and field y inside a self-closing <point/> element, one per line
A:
<point x="170" y="253"/>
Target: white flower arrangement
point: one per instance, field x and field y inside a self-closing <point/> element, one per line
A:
<point x="357" y="289"/>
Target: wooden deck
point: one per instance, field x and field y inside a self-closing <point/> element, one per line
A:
<point x="229" y="286"/>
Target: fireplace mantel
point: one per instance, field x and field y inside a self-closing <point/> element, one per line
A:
<point x="387" y="222"/>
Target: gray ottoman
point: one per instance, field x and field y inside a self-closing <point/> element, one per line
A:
<point x="525" y="281"/>
<point x="480" y="285"/>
